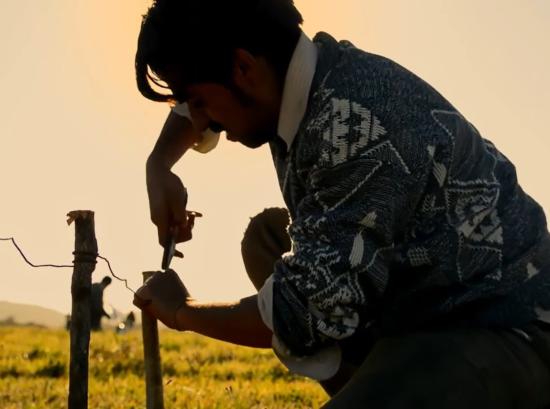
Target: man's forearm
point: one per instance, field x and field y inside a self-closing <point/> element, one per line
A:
<point x="176" y="137"/>
<point x="239" y="323"/>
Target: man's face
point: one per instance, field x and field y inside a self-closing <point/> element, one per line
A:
<point x="233" y="110"/>
<point x="248" y="109"/>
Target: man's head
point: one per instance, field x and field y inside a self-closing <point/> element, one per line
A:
<point x="227" y="59"/>
<point x="106" y="281"/>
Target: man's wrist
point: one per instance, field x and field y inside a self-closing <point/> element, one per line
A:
<point x="180" y="318"/>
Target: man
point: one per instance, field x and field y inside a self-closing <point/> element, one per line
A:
<point x="96" y="303"/>
<point x="414" y="271"/>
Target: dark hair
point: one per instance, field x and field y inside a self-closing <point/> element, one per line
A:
<point x="195" y="40"/>
<point x="106" y="280"/>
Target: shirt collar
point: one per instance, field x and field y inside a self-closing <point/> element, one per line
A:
<point x="299" y="78"/>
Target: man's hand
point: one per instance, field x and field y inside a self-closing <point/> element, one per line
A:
<point x="161" y="296"/>
<point x="167" y="195"/>
<point x="167" y="203"/>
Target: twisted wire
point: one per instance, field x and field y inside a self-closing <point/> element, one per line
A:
<point x="65" y="265"/>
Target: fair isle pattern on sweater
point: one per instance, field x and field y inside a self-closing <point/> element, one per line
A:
<point x="402" y="214"/>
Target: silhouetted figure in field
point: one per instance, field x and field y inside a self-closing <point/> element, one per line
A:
<point x="96" y="303"/>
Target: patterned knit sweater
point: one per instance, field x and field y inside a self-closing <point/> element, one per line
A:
<point x="403" y="216"/>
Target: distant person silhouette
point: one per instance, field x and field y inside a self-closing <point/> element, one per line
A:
<point x="96" y="303"/>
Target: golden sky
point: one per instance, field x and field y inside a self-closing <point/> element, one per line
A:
<point x="75" y="132"/>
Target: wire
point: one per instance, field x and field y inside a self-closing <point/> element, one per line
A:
<point x="27" y="260"/>
<point x="65" y="265"/>
<point x="114" y="275"/>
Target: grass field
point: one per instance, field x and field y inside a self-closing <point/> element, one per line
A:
<point x="198" y="373"/>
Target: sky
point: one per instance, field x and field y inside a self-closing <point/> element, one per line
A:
<point x="75" y="133"/>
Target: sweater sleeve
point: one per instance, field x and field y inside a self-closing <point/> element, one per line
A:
<point x="322" y="365"/>
<point x="344" y="235"/>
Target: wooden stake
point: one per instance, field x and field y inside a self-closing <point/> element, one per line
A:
<point x="151" y="352"/>
<point x="84" y="264"/>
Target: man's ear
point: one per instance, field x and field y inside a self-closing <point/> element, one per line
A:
<point x="245" y="68"/>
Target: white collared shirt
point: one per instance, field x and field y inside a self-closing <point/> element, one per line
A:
<point x="299" y="78"/>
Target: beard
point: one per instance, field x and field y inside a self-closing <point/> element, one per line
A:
<point x="261" y="133"/>
<point x="257" y="139"/>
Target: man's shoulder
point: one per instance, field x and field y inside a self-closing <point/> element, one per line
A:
<point x="324" y="39"/>
<point x="366" y="76"/>
<point x="346" y="61"/>
<point x="365" y="105"/>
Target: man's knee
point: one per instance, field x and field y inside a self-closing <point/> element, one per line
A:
<point x="265" y="240"/>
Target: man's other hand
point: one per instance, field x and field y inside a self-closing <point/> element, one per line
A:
<point x="161" y="296"/>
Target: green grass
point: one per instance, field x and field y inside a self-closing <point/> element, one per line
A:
<point x="198" y="373"/>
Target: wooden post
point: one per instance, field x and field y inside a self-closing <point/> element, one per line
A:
<point x="85" y="255"/>
<point x="151" y="352"/>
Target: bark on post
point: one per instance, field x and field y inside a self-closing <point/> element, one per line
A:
<point x="85" y="256"/>
<point x="151" y="352"/>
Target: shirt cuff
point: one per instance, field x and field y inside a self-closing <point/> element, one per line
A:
<point x="265" y="302"/>
<point x="209" y="139"/>
<point x="321" y="366"/>
<point x="182" y="110"/>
